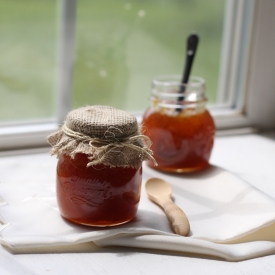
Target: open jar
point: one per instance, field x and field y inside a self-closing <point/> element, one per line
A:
<point x="99" y="173"/>
<point x="179" y="125"/>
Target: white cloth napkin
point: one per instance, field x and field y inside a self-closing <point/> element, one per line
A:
<point x="229" y="218"/>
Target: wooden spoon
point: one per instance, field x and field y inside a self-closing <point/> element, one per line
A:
<point x="159" y="191"/>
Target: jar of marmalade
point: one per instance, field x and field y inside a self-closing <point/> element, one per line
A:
<point x="99" y="173"/>
<point x="179" y="125"/>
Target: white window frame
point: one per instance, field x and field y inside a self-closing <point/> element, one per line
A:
<point x="247" y="69"/>
<point x="248" y="66"/>
<point x="33" y="134"/>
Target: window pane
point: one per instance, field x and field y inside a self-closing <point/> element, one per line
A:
<point x="121" y="45"/>
<point x="28" y="61"/>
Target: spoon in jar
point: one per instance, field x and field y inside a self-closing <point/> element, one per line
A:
<point x="191" y="48"/>
<point x="159" y="191"/>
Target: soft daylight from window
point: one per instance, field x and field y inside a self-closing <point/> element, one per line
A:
<point x="28" y="62"/>
<point x="120" y="46"/>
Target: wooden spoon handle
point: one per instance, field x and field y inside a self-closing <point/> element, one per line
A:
<point x="177" y="218"/>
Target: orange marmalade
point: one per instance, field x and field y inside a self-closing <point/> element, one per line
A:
<point x="99" y="195"/>
<point x="181" y="129"/>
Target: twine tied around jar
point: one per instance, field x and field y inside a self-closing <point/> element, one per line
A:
<point x="107" y="135"/>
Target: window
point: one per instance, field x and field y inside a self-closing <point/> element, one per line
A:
<point x="121" y="45"/>
<point x="28" y="63"/>
<point x="247" y="71"/>
<point x="103" y="48"/>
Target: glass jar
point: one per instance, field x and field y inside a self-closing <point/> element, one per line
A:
<point x="99" y="171"/>
<point x="98" y="195"/>
<point x="179" y="125"/>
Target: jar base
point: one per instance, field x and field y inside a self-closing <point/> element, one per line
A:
<point x="179" y="170"/>
<point x="96" y="225"/>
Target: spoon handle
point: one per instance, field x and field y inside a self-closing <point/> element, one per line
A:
<point x="177" y="218"/>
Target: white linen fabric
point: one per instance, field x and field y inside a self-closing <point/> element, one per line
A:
<point x="229" y="218"/>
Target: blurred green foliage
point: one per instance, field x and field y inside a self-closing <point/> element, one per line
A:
<point x="120" y="47"/>
<point x="28" y="63"/>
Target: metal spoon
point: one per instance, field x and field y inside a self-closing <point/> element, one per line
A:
<point x="159" y="191"/>
<point x="191" y="48"/>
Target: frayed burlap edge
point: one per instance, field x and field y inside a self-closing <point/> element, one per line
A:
<point x="129" y="152"/>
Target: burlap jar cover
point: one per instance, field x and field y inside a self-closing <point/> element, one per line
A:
<point x="107" y="135"/>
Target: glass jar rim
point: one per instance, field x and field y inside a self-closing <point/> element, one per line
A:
<point x="179" y="105"/>
<point x="172" y="80"/>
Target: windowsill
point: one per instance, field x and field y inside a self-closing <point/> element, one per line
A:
<point x="34" y="135"/>
<point x="250" y="156"/>
<point x="25" y="136"/>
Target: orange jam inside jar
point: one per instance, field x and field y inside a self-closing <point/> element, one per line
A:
<point x="180" y="127"/>
<point x="98" y="196"/>
<point x="99" y="171"/>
